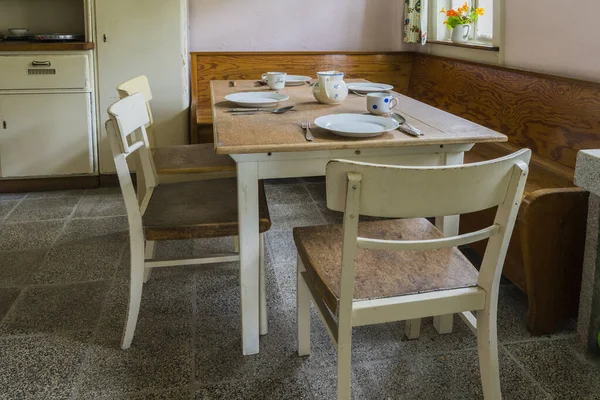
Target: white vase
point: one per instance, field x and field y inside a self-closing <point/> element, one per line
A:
<point x="460" y="33"/>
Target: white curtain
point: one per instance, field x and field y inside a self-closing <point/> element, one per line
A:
<point x="415" y="21"/>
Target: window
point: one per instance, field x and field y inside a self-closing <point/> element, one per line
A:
<point x="483" y="29"/>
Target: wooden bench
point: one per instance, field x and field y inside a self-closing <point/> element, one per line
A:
<point x="393" y="68"/>
<point x="554" y="117"/>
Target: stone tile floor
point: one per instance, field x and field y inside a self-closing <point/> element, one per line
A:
<point x="63" y="293"/>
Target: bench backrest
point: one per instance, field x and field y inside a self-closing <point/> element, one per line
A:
<point x="392" y="68"/>
<point x="555" y="117"/>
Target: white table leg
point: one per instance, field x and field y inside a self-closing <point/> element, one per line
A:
<point x="247" y="178"/>
<point x="449" y="227"/>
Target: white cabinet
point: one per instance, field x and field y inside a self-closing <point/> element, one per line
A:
<point x="46" y="134"/>
<point x="149" y="38"/>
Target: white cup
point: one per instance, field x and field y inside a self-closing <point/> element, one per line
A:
<point x="275" y="80"/>
<point x="381" y="103"/>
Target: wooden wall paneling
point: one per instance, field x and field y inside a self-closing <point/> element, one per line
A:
<point x="393" y="68"/>
<point x="555" y="117"/>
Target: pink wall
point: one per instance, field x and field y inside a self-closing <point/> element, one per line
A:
<point x="318" y="25"/>
<point x="554" y="36"/>
<point x="541" y="35"/>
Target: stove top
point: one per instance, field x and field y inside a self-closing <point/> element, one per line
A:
<point x="46" y="37"/>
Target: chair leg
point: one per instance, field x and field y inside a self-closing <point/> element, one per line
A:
<point x="264" y="318"/>
<point x="150" y="252"/>
<point x="443" y="323"/>
<point x="236" y="244"/>
<point x="302" y="311"/>
<point x="344" y="350"/>
<point x="135" y="290"/>
<point x="412" y="328"/>
<point x="487" y="345"/>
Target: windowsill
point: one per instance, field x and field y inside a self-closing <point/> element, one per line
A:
<point x="468" y="45"/>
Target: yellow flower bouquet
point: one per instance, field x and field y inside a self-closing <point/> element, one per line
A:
<point x="462" y="16"/>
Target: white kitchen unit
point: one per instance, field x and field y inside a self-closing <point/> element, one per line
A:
<point x="144" y="38"/>
<point x="47" y="115"/>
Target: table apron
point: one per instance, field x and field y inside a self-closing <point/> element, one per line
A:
<point x="313" y="163"/>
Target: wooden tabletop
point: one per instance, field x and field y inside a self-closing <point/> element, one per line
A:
<point x="265" y="132"/>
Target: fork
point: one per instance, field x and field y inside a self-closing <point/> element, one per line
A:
<point x="307" y="135"/>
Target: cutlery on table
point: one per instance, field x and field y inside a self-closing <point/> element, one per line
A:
<point x="307" y="134"/>
<point x="359" y="94"/>
<point x="253" y="110"/>
<point x="406" y="127"/>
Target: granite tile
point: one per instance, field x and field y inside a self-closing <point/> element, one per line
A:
<point x="260" y="389"/>
<point x="512" y="316"/>
<point x="159" y="359"/>
<point x="282" y="246"/>
<point x="219" y="291"/>
<point x="323" y="384"/>
<point x="6" y="207"/>
<point x="12" y="196"/>
<point x="40" y="367"/>
<point x="18" y="267"/>
<point x="559" y="368"/>
<point x="219" y="338"/>
<point x="90" y="260"/>
<point x="82" y="230"/>
<point x="55" y="194"/>
<point x="175" y="394"/>
<point x="168" y="296"/>
<point x="43" y="209"/>
<point x="29" y="235"/>
<point x="313" y="179"/>
<point x="289" y="216"/>
<point x="43" y="309"/>
<point x="374" y="342"/>
<point x="450" y="376"/>
<point x="193" y="247"/>
<point x="318" y="192"/>
<point x="104" y="202"/>
<point x="430" y="342"/>
<point x="282" y="181"/>
<point x="287" y="194"/>
<point x="7" y="298"/>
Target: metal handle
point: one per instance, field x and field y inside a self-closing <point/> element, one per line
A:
<point x="41" y="63"/>
<point x="4" y="125"/>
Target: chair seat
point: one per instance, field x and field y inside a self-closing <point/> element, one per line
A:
<point x="197" y="209"/>
<point x="192" y="158"/>
<point x="381" y="274"/>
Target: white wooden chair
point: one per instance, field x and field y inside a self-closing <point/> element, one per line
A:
<point x="361" y="273"/>
<point x="185" y="210"/>
<point x="179" y="163"/>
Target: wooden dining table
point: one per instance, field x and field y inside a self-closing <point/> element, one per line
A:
<point x="270" y="146"/>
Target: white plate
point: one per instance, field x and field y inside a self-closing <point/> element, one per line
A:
<point x="356" y="125"/>
<point x="257" y="99"/>
<point x="296" y="80"/>
<point x="368" y="87"/>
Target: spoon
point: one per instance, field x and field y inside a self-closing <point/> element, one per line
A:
<point x="359" y="94"/>
<point x="409" y="128"/>
<point x="271" y="110"/>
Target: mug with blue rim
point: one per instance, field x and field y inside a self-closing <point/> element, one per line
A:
<point x="381" y="103"/>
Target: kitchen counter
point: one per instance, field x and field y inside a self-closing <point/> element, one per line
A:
<point x="42" y="46"/>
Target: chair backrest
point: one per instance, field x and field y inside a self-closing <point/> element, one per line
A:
<point x="126" y="129"/>
<point x="140" y="85"/>
<point x="408" y="192"/>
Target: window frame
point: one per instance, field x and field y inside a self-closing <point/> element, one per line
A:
<point x="436" y="18"/>
<point x="485" y="52"/>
